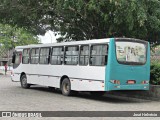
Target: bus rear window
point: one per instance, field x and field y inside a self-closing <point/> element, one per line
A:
<point x="131" y="52"/>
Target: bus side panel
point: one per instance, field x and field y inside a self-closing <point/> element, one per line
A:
<point x="83" y="78"/>
<point x="52" y="81"/>
<point x="86" y="85"/>
<point x="47" y="80"/>
<point x="123" y="73"/>
<point x="89" y="78"/>
<point x="15" y="77"/>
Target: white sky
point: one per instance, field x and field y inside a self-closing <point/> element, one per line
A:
<point x="49" y="37"/>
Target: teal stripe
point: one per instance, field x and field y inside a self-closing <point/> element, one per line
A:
<point x="109" y="63"/>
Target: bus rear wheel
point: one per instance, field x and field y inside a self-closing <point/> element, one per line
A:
<point x="24" y="83"/>
<point x="66" y="87"/>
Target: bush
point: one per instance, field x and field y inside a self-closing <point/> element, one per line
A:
<point x="155" y="74"/>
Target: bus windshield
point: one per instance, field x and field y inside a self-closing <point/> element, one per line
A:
<point x="129" y="52"/>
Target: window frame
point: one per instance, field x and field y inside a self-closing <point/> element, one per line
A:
<point x="43" y="55"/>
<point x="71" y="55"/>
<point x="25" y="56"/>
<point x="19" y="55"/>
<point x="98" y="55"/>
<point x="63" y="47"/>
<point x="31" y="54"/>
<point x="83" y="55"/>
<point x="134" y="41"/>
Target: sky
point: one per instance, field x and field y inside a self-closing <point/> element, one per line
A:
<point x="49" y="37"/>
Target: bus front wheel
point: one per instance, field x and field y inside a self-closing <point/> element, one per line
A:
<point x="66" y="87"/>
<point x="24" y="83"/>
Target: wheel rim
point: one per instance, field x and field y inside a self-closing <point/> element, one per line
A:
<point x="24" y="82"/>
<point x="65" y="87"/>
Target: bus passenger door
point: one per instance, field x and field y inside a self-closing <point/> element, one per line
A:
<point x="16" y="60"/>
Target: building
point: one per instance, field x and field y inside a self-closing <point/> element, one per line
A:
<point x="5" y="56"/>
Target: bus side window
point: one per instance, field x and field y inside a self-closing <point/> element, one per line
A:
<point x="99" y="55"/>
<point x="44" y="56"/>
<point x="57" y="55"/>
<point x="71" y="55"/>
<point x="25" y="58"/>
<point x="84" y="55"/>
<point x="34" y="56"/>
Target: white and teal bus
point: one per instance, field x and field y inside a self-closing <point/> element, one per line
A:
<point x="92" y="65"/>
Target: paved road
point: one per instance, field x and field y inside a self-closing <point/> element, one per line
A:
<point x="14" y="98"/>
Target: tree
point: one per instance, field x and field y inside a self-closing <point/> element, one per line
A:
<point x="85" y="19"/>
<point x="13" y="36"/>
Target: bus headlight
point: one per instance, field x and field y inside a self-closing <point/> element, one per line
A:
<point x="115" y="81"/>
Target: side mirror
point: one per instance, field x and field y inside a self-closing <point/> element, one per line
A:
<point x="13" y="57"/>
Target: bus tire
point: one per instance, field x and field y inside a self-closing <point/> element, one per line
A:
<point x="97" y="93"/>
<point x="24" y="83"/>
<point x="66" y="87"/>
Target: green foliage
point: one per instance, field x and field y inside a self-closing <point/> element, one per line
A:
<point x="11" y="37"/>
<point x="85" y="19"/>
<point x="155" y="74"/>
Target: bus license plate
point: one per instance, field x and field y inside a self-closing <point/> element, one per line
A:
<point x="131" y="82"/>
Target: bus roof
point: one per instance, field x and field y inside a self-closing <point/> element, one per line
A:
<point x="106" y="40"/>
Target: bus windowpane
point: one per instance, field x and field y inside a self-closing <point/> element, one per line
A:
<point x="130" y="52"/>
<point x="44" y="56"/>
<point x="98" y="55"/>
<point x="17" y="59"/>
<point x="34" y="55"/>
<point x="57" y="56"/>
<point x="25" y="58"/>
<point x="71" y="55"/>
<point x="84" y="55"/>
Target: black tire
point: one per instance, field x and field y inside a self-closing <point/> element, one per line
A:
<point x="66" y="87"/>
<point x="97" y="93"/>
<point x="24" y="83"/>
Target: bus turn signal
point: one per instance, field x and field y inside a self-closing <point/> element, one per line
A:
<point x="115" y="81"/>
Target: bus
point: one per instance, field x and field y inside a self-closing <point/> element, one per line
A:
<point x="92" y="65"/>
